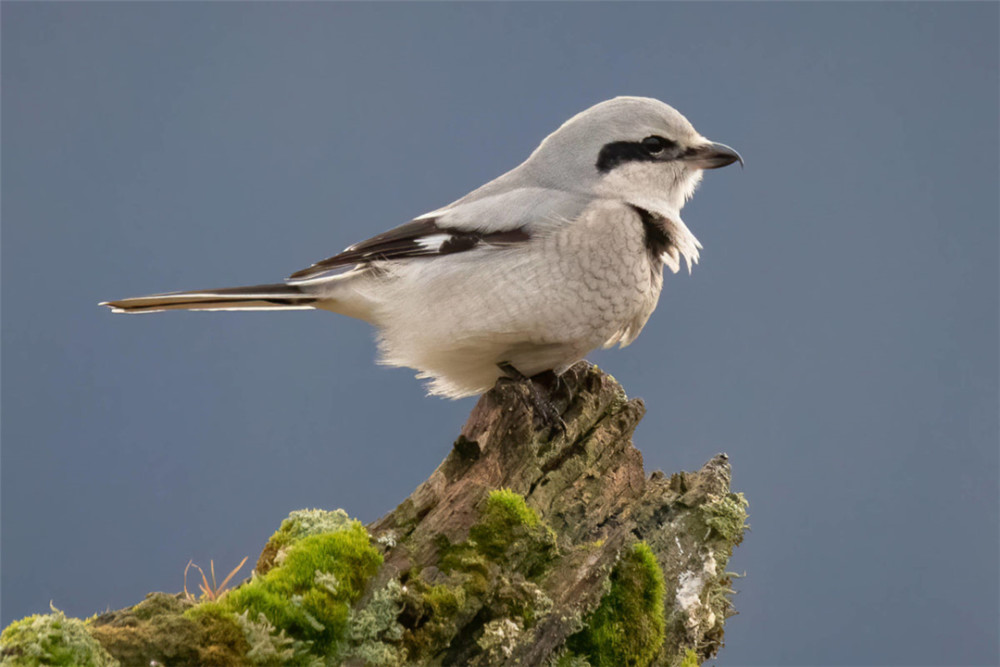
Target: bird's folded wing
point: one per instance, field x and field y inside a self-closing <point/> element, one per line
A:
<point x="419" y="238"/>
<point x="496" y="221"/>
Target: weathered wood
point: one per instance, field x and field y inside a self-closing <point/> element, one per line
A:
<point x="587" y="483"/>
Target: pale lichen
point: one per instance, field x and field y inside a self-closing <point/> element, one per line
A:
<point x="726" y="516"/>
<point x="690" y="596"/>
<point x="301" y="523"/>
<point x="270" y="647"/>
<point x="374" y="634"/>
<point x="498" y="639"/>
<point x="51" y="639"/>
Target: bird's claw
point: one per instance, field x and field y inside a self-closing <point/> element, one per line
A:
<point x="545" y="389"/>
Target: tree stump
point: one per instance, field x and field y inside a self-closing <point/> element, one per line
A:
<point x="533" y="543"/>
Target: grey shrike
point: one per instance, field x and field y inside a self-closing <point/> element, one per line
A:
<point x="559" y="256"/>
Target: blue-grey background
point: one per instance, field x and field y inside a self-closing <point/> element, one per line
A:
<point x="839" y="339"/>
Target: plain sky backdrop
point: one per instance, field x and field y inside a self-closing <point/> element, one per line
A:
<point x="839" y="339"/>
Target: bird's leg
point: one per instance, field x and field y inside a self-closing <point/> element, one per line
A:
<point x="555" y="386"/>
<point x="544" y="405"/>
<point x="510" y="372"/>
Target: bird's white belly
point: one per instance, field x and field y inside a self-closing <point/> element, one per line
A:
<point x="540" y="306"/>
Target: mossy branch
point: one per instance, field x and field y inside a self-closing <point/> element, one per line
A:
<point x="526" y="546"/>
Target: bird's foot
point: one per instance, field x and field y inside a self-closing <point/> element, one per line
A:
<point x="546" y="391"/>
<point x="559" y="392"/>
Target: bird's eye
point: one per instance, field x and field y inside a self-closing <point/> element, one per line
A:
<point x="655" y="145"/>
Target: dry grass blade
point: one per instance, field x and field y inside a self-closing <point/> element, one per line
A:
<point x="232" y="574"/>
<point x="201" y="586"/>
<point x="213" y="591"/>
<point x="205" y="588"/>
<point x="186" y="568"/>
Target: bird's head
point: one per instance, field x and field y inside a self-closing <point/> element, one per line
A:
<point x="636" y="149"/>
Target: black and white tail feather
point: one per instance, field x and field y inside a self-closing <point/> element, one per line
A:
<point x="254" y="297"/>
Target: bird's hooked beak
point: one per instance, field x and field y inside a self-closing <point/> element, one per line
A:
<point x="711" y="156"/>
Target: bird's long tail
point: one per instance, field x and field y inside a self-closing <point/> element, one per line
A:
<point x="255" y="297"/>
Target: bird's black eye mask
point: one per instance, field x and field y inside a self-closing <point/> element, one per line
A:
<point x="651" y="149"/>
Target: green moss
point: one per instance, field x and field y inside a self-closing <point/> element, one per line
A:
<point x="444" y="601"/>
<point x="309" y="594"/>
<point x="690" y="659"/>
<point x="51" y="639"/>
<point x="509" y="507"/>
<point x="627" y="629"/>
<point x="299" y="524"/>
<point x="465" y="559"/>
<point x="430" y="614"/>
<point x="570" y="659"/>
<point x="727" y="517"/>
<point x="508" y="538"/>
<point x="170" y="630"/>
<point x="218" y="623"/>
<point x="620" y="397"/>
<point x="510" y="533"/>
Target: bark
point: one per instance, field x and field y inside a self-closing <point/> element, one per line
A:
<point x="589" y="486"/>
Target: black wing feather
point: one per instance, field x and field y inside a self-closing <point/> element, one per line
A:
<point x="405" y="242"/>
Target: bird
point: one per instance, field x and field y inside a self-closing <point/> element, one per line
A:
<point x="525" y="275"/>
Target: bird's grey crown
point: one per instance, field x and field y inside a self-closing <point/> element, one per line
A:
<point x="568" y="156"/>
<point x="565" y="160"/>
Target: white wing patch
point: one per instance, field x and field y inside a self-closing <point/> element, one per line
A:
<point x="433" y="242"/>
